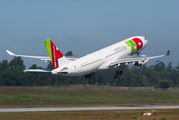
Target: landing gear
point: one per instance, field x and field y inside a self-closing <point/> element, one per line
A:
<point x="118" y="74"/>
<point x="89" y="76"/>
<point x="116" y="77"/>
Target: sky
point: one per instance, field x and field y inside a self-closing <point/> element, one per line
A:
<point x="84" y="26"/>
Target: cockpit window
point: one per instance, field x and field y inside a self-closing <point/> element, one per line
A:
<point x="145" y="39"/>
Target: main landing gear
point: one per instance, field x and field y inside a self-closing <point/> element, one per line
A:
<point x="89" y="75"/>
<point x="118" y="74"/>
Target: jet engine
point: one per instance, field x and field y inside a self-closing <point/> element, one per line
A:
<point x="141" y="63"/>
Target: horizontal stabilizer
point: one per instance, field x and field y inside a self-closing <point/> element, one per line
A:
<point x="38" y="70"/>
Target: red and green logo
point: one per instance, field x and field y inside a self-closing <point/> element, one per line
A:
<point x="53" y="52"/>
<point x="136" y="44"/>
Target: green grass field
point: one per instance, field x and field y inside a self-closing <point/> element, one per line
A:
<point x="35" y="97"/>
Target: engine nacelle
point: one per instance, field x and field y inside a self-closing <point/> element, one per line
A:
<point x="141" y="63"/>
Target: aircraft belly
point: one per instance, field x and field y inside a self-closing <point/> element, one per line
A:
<point x="113" y="57"/>
<point x="90" y="66"/>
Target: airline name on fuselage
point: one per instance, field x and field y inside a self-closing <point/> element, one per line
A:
<point x="120" y="49"/>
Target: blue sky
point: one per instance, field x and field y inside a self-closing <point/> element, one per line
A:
<point x="85" y="26"/>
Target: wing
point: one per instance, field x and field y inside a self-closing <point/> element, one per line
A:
<point x="133" y="59"/>
<point x="37" y="57"/>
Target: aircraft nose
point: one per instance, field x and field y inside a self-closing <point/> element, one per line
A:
<point x="145" y="42"/>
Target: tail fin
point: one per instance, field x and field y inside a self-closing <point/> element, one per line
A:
<point x="57" y="58"/>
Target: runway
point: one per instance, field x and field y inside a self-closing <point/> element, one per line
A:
<point x="52" y="109"/>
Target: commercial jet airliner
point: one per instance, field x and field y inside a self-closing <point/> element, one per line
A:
<point x="120" y="53"/>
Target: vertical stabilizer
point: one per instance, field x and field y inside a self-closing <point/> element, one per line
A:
<point x="57" y="58"/>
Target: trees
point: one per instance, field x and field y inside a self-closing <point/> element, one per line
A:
<point x="164" y="84"/>
<point x="17" y="62"/>
<point x="4" y="65"/>
<point x="69" y="53"/>
<point x="11" y="74"/>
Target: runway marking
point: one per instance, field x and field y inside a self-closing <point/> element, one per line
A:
<point x="53" y="109"/>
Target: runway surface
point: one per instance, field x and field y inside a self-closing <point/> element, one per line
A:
<point x="51" y="109"/>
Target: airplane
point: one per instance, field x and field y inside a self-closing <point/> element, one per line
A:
<point x="123" y="52"/>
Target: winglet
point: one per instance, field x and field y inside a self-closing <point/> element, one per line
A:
<point x="10" y="53"/>
<point x="168" y="53"/>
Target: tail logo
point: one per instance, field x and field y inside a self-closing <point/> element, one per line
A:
<point x="53" y="52"/>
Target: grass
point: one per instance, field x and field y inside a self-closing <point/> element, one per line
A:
<point x="93" y="115"/>
<point x="33" y="97"/>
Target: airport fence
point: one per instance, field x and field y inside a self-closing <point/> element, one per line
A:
<point x="97" y="86"/>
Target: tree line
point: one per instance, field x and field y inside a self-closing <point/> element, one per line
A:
<point x="11" y="74"/>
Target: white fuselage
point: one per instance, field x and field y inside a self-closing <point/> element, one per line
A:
<point x="98" y="60"/>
